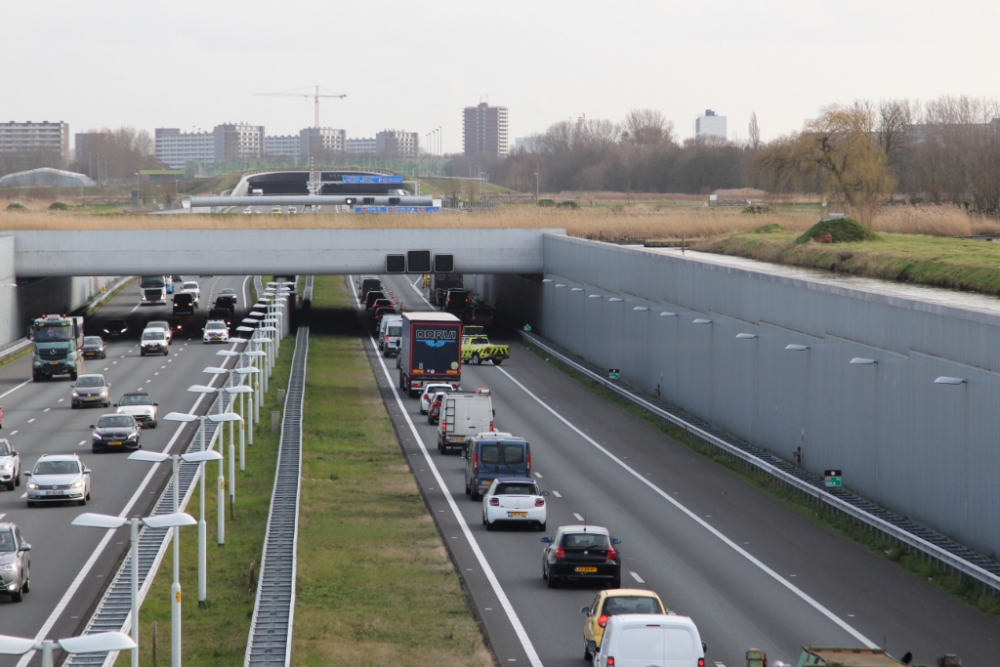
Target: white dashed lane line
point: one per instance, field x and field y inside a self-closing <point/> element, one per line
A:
<point x="578" y="517"/>
<point x="81" y="443"/>
<point x="538" y="475"/>
<point x="637" y="577"/>
<point x="31" y="420"/>
<point x="46" y="409"/>
<point x="556" y="494"/>
<point x="13" y="432"/>
<point x="63" y="399"/>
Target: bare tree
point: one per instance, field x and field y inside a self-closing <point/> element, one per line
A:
<point x="647" y="127"/>
<point x="754" y="132"/>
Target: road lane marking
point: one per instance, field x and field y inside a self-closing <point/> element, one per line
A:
<point x="11" y="391"/>
<point x="637" y="577"/>
<point x="14" y="432"/>
<point x="46" y="409"/>
<point x="24" y="495"/>
<point x="498" y="590"/>
<point x="538" y="475"/>
<point x="2" y="516"/>
<point x="578" y="517"/>
<point x="31" y="420"/>
<point x="557" y="494"/>
<point x="81" y="443"/>
<point x="815" y="604"/>
<point x="63" y="399"/>
<point x="96" y="555"/>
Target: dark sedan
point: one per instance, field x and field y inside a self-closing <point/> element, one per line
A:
<point x="582" y="553"/>
<point x="94" y="347"/>
<point x="116" y="432"/>
<point x="116" y="328"/>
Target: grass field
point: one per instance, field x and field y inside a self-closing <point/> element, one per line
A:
<point x="375" y="584"/>
<point x="927" y="260"/>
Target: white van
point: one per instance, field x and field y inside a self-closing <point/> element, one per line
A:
<point x="390" y="333"/>
<point x="462" y="417"/>
<point x="650" y="640"/>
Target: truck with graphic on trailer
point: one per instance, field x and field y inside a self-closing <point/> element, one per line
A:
<point x="430" y="351"/>
<point x="58" y="347"/>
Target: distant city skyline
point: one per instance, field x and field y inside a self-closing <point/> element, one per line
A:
<point x="198" y="65"/>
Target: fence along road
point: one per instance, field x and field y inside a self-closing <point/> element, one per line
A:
<point x="270" y="639"/>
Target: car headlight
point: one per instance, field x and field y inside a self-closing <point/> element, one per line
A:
<point x="97" y="436"/>
<point x="76" y="485"/>
<point x="6" y="466"/>
<point x="8" y="567"/>
<point x="32" y="485"/>
<point x="76" y="394"/>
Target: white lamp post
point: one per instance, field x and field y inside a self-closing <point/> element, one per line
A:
<point x="229" y="417"/>
<point x="104" y="521"/>
<point x="254" y="356"/>
<point x="241" y="389"/>
<point x="272" y="351"/>
<point x="220" y="487"/>
<point x="96" y="643"/>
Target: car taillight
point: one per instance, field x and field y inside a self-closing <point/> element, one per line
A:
<point x="491" y="426"/>
<point x="603" y="621"/>
<point x="539" y="502"/>
<point x="701" y="662"/>
<point x="612" y="554"/>
<point x="426" y="396"/>
<point x="475" y="460"/>
<point x="495" y="502"/>
<point x="611" y="662"/>
<point x="527" y="459"/>
<point x="559" y="552"/>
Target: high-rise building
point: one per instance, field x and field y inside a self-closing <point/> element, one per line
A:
<point x="485" y="131"/>
<point x="174" y="148"/>
<point x="36" y="137"/>
<point x="238" y="141"/>
<point x="316" y="141"/>
<point x="710" y="125"/>
<point x="287" y="145"/>
<point x="396" y="143"/>
<point x="360" y="146"/>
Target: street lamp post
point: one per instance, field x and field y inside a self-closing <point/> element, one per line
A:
<point x="241" y="389"/>
<point x="220" y="488"/>
<point x="228" y="417"/>
<point x="536" y="187"/>
<point x="100" y="642"/>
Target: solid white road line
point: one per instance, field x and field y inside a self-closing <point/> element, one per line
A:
<point x="637" y="577"/>
<point x="498" y="590"/>
<point x="94" y="557"/>
<point x="815" y="604"/>
<point x="11" y="391"/>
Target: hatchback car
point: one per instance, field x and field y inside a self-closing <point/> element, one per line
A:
<point x="192" y="286"/>
<point x="115" y="433"/>
<point x="89" y="390"/>
<point x="434" y="411"/>
<point x="58" y="478"/>
<point x="429" y="392"/>
<point x="153" y="341"/>
<point x="140" y="406"/>
<point x="15" y="564"/>
<point x="582" y="553"/>
<point x="115" y="328"/>
<point x="10" y="465"/>
<point x="94" y="347"/>
<point x="611" y="603"/>
<point x="165" y="326"/>
<point x="176" y="326"/>
<point x="229" y="294"/>
<point x="215" y="331"/>
<point x="514" y="500"/>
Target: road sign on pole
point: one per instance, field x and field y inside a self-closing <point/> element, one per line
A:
<point x="833" y="478"/>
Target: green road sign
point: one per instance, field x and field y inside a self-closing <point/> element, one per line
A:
<point x="613" y="374"/>
<point x="833" y="478"/>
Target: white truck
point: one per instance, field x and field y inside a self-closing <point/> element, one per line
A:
<point x="462" y="417"/>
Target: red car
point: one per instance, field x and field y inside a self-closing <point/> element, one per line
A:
<point x="434" y="412"/>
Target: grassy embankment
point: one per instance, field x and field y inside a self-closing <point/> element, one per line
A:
<point x="375" y="585"/>
<point x="963" y="587"/>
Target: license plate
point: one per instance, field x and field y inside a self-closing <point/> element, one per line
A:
<point x="53" y="493"/>
<point x="115" y="443"/>
<point x="90" y="398"/>
<point x="523" y="514"/>
<point x="585" y="570"/>
<point x="53" y="363"/>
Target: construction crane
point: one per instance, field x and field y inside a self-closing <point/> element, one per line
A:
<point x="315" y="97"/>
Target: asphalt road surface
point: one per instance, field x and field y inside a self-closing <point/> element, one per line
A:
<point x="69" y="564"/>
<point x="750" y="571"/>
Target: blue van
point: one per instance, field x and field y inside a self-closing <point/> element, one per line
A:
<point x="494" y="454"/>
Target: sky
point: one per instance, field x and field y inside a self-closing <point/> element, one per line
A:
<point x="414" y="65"/>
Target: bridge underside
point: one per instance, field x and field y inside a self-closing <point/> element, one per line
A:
<point x="272" y="251"/>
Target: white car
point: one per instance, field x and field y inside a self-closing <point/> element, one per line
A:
<point x="192" y="286"/>
<point x="514" y="500"/>
<point x="58" y="478"/>
<point x="430" y="391"/>
<point x="215" y="331"/>
<point x="140" y="407"/>
<point x="162" y="324"/>
<point x="10" y="465"/>
<point x="153" y="341"/>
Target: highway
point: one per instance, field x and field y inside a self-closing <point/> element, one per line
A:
<point x="69" y="565"/>
<point x="750" y="571"/>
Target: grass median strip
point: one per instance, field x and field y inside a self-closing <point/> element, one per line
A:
<point x="216" y="635"/>
<point x="375" y="584"/>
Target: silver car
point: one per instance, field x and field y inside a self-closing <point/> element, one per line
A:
<point x="91" y="390"/>
<point x="58" y="478"/>
<point x="139" y="405"/>
<point x="15" y="564"/>
<point x="161" y="324"/>
<point x="10" y="465"/>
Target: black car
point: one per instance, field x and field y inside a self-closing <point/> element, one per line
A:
<point x="229" y="295"/>
<point x="94" y="347"/>
<point x="116" y="328"/>
<point x="582" y="553"/>
<point x="116" y="432"/>
<point x="381" y="312"/>
<point x="371" y="297"/>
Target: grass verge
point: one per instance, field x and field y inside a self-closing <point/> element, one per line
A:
<point x="216" y="634"/>
<point x="953" y="263"/>
<point x="375" y="583"/>
<point x="961" y="586"/>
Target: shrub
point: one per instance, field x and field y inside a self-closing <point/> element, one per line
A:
<point x="772" y="228"/>
<point x="843" y="230"/>
<point x="60" y="206"/>
<point x="16" y="206"/>
<point x="569" y="203"/>
<point x="546" y="202"/>
<point x="754" y="209"/>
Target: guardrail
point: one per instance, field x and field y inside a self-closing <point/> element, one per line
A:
<point x="270" y="639"/>
<point x="933" y="545"/>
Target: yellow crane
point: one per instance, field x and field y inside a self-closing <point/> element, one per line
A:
<point x="316" y="95"/>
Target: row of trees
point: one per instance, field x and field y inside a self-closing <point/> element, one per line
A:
<point x="639" y="154"/>
<point x="863" y="153"/>
<point x="110" y="156"/>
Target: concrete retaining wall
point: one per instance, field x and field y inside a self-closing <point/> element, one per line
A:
<point x="928" y="451"/>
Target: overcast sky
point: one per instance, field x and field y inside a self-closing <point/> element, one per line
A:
<point x="414" y="65"/>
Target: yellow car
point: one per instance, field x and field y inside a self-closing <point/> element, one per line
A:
<point x="611" y="602"/>
<point x="275" y="210"/>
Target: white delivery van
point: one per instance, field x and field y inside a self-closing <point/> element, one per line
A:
<point x="390" y="334"/>
<point x="462" y="417"/>
<point x="650" y="640"/>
